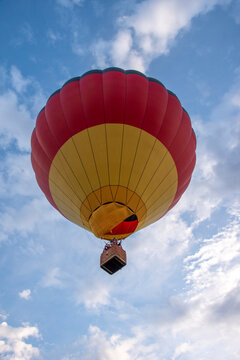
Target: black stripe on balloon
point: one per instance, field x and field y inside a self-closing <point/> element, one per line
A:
<point x="55" y="92"/>
<point x="113" y="69"/>
<point x="77" y="78"/>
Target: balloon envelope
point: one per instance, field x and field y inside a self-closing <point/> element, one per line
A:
<point x="113" y="151"/>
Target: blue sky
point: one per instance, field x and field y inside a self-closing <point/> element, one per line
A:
<point x="178" y="298"/>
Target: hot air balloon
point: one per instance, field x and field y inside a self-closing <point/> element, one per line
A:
<point x="113" y="151"/>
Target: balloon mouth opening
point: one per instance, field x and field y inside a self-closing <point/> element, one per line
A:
<point x="127" y="226"/>
<point x="113" y="219"/>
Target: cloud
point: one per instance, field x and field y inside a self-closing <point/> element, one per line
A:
<point x="20" y="102"/>
<point x="53" y="278"/>
<point x="15" y="122"/>
<point x="200" y="321"/>
<point x="12" y="344"/>
<point x="102" y="346"/>
<point x="77" y="44"/>
<point x="23" y="206"/>
<point x="18" y="81"/>
<point x="181" y="349"/>
<point x="53" y="36"/>
<point x="216" y="178"/>
<point x="17" y="180"/>
<point x="93" y="294"/>
<point x="213" y="271"/>
<point x="17" y="176"/>
<point x="25" y="294"/>
<point x="211" y="320"/>
<point x="229" y="306"/>
<point x="26" y="218"/>
<point x="149" y="32"/>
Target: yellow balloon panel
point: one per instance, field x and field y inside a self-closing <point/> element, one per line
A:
<point x="113" y="163"/>
<point x="114" y="146"/>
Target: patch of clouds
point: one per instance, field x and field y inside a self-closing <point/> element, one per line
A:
<point x="161" y="247"/>
<point x="218" y="160"/>
<point x="25" y="294"/>
<point x="201" y="321"/>
<point x="53" y="278"/>
<point x="213" y="271"/>
<point x="17" y="180"/>
<point x="19" y="83"/>
<point x="211" y="322"/>
<point x="53" y="36"/>
<point x="180" y="350"/>
<point x="77" y="46"/>
<point x="93" y="294"/>
<point x="17" y="176"/>
<point x="149" y="32"/>
<point x="19" y="103"/>
<point x="102" y="346"/>
<point x="216" y="179"/>
<point x="13" y="345"/>
<point x="16" y="123"/>
<point x="28" y="90"/>
<point x="27" y="217"/>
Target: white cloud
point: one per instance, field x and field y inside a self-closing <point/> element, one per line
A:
<point x="149" y="32"/>
<point x="53" y="278"/>
<point x="102" y="346"/>
<point x="201" y="321"/>
<point x="18" y="81"/>
<point x="20" y="102"/>
<point x="17" y="176"/>
<point x="12" y="344"/>
<point x="93" y="294"/>
<point x="16" y="123"/>
<point x="25" y="294"/>
<point x="160" y="247"/>
<point x="214" y="271"/>
<point x="19" y="212"/>
<point x="77" y="46"/>
<point x="53" y="36"/>
<point x="181" y="349"/>
<point x="27" y="217"/>
<point x="212" y="304"/>
<point x="216" y="178"/>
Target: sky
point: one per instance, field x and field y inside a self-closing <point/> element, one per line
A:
<point x="178" y="298"/>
